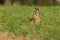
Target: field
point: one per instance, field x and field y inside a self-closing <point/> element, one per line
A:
<point x="16" y="20"/>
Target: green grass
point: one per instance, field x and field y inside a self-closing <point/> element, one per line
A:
<point x="15" y="20"/>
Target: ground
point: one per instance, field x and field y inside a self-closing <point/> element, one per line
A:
<point x="14" y="22"/>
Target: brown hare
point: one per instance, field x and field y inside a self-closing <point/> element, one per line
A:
<point x="35" y="20"/>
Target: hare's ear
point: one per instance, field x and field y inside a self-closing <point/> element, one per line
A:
<point x="37" y="9"/>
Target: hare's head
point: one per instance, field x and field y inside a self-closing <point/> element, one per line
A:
<point x="36" y="11"/>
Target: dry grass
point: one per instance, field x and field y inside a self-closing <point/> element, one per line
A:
<point x="5" y="36"/>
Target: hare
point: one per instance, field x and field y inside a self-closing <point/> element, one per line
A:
<point x="35" y="19"/>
